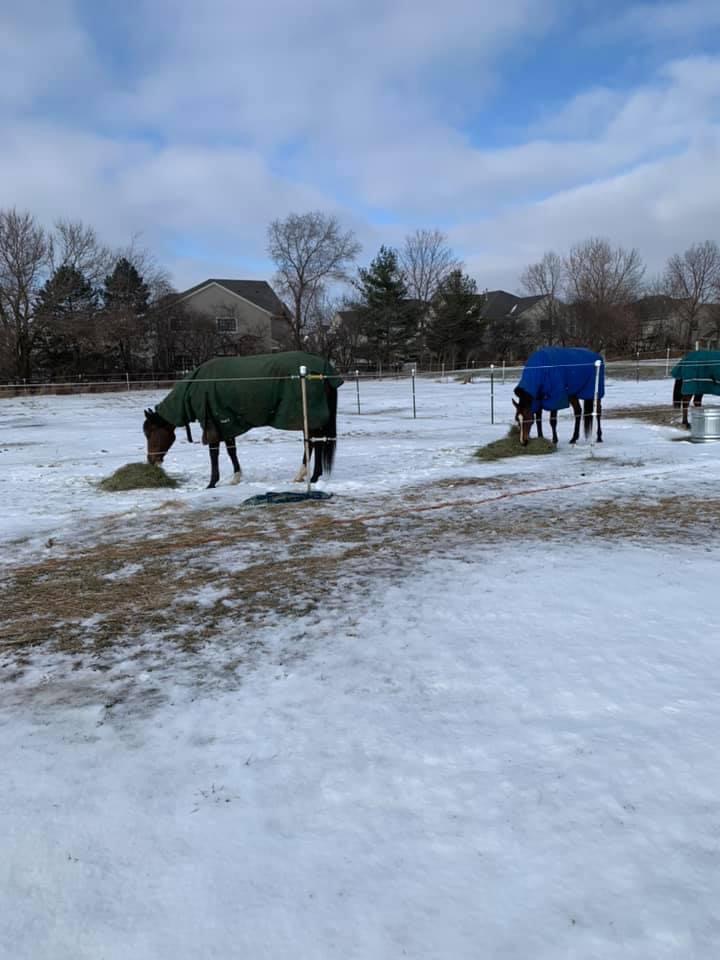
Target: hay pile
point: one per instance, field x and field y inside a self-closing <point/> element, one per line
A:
<point x="509" y="446"/>
<point x="134" y="476"/>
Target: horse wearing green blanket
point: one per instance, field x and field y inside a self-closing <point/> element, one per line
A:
<point x="230" y="395"/>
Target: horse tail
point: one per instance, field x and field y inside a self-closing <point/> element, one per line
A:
<point x="677" y="393"/>
<point x="327" y="451"/>
<point x="588" y="410"/>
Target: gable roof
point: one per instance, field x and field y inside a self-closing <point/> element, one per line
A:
<point x="499" y="304"/>
<point x="258" y="292"/>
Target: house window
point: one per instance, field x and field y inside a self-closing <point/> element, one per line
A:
<point x="226" y="324"/>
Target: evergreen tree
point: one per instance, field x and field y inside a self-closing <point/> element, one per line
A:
<point x="389" y="319"/>
<point x="65" y="314"/>
<point x="125" y="297"/>
<point x="454" y="327"/>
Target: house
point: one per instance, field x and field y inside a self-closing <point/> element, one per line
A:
<point x="515" y="325"/>
<point x="242" y="311"/>
<point x="662" y="321"/>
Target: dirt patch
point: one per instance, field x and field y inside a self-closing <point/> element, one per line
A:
<point x="203" y="578"/>
<point x="661" y="416"/>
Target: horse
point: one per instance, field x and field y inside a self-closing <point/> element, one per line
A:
<point x="230" y="395"/>
<point x="555" y="378"/>
<point x="695" y="375"/>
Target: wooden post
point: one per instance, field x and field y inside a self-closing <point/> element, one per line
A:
<point x="306" y="432"/>
<point x="413" y="392"/>
<point x="357" y="388"/>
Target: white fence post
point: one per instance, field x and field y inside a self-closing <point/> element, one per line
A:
<point x="492" y="393"/>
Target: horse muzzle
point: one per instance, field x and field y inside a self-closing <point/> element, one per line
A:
<point x="155" y="458"/>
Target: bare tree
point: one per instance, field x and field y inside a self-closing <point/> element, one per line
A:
<point x="76" y="245"/>
<point x="24" y="261"/>
<point x="309" y="250"/>
<point x="427" y="261"/>
<point x="693" y="278"/>
<point x="601" y="282"/>
<point x="545" y="279"/>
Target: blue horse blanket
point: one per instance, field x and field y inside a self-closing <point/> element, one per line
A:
<point x="699" y="371"/>
<point x="554" y="374"/>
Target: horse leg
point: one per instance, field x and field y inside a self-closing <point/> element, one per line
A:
<point x="538" y="424"/>
<point x="214" y="465"/>
<point x="211" y="436"/>
<point x="553" y="425"/>
<point x="599" y="426"/>
<point x="317" y="471"/>
<point x="575" y="404"/>
<point x="685" y="405"/>
<point x="232" y="453"/>
<point x="302" y="472"/>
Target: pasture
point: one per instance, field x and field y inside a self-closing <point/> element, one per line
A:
<point x="461" y="706"/>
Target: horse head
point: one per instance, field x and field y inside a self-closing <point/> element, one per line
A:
<point x="160" y="436"/>
<point x="523" y="414"/>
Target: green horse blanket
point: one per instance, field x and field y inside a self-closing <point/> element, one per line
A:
<point x="699" y="371"/>
<point x="239" y="393"/>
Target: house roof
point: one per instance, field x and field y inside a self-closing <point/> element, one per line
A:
<point x="258" y="292"/>
<point x="499" y="304"/>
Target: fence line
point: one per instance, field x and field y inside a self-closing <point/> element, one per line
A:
<point x="161" y="380"/>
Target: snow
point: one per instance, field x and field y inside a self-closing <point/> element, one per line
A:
<point x="486" y="740"/>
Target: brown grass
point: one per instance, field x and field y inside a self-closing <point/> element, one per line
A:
<point x="288" y="561"/>
<point x="134" y="476"/>
<point x="510" y="446"/>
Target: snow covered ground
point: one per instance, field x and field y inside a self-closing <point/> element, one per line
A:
<point x="460" y="710"/>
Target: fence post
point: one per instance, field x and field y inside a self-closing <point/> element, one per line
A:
<point x="127" y="377"/>
<point x="306" y="434"/>
<point x="667" y="362"/>
<point x="637" y="367"/>
<point x="357" y="388"/>
<point x="503" y="379"/>
<point x="492" y="393"/>
<point x="442" y="374"/>
<point x="593" y="425"/>
<point x="413" y="392"/>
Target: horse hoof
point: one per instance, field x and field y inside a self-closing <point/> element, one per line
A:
<point x="236" y="477"/>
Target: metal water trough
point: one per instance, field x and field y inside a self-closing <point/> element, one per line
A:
<point x="704" y="424"/>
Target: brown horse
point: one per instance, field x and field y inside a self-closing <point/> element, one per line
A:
<point x="555" y="378"/>
<point x="231" y="395"/>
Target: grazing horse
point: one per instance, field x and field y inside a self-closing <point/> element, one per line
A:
<point x="696" y="374"/>
<point x="230" y="395"/>
<point x="555" y="378"/>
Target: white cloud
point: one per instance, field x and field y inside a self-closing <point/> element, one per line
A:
<point x="228" y="116"/>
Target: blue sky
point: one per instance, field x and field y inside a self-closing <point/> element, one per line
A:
<point x="516" y="127"/>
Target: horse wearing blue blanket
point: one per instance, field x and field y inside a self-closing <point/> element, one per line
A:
<point x="555" y="378"/>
